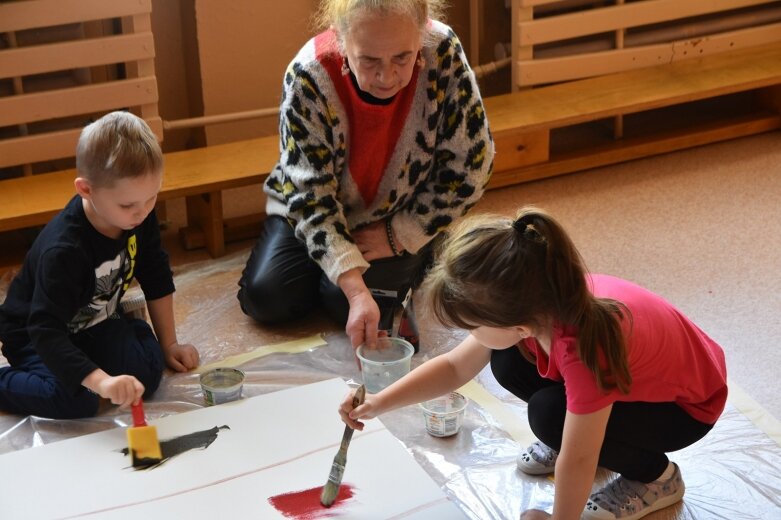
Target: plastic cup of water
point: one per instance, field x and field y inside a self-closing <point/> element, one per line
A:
<point x="386" y="364"/>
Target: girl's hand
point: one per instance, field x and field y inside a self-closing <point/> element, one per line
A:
<point x="534" y="514"/>
<point x="350" y="415"/>
<point x="181" y="357"/>
<point x="372" y="241"/>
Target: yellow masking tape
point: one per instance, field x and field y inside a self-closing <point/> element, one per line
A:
<point x="761" y="418"/>
<point x="289" y="347"/>
<point x="517" y="427"/>
<point x="520" y="431"/>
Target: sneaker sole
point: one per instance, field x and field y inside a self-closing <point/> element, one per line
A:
<point x="659" y="504"/>
<point x="533" y="469"/>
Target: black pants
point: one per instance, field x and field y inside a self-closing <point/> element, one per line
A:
<point x="118" y="346"/>
<point x="638" y="434"/>
<point x="280" y="282"/>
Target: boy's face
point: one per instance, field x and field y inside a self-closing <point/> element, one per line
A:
<point x="121" y="206"/>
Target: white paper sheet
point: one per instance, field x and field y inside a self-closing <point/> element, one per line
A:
<point x="277" y="443"/>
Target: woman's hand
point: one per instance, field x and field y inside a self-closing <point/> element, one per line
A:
<point x="534" y="514"/>
<point x="364" y="315"/>
<point x="363" y="320"/>
<point x="372" y="241"/>
<point x="181" y="357"/>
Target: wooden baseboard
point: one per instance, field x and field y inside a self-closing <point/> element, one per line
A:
<point x="234" y="229"/>
<point x="635" y="148"/>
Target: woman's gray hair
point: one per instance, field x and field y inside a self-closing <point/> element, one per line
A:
<point x="342" y="14"/>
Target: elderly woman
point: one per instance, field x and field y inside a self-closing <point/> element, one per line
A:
<point x="383" y="144"/>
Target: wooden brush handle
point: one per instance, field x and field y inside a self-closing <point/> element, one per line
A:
<point x="359" y="396"/>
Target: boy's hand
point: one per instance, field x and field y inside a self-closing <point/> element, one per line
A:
<point x="181" y="357"/>
<point x="121" y="390"/>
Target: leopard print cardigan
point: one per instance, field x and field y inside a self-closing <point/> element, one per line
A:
<point x="438" y="170"/>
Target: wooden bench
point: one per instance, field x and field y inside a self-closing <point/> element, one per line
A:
<point x="539" y="132"/>
<point x="665" y="107"/>
<point x="102" y="59"/>
<point x="199" y="175"/>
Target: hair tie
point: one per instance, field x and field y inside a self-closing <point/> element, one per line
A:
<point x="525" y="226"/>
<point x="522" y="223"/>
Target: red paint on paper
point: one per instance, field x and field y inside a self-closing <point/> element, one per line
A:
<point x="305" y="505"/>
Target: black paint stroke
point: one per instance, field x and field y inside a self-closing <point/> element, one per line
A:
<point x="177" y="445"/>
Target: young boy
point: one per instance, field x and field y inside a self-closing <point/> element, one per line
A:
<point x="60" y="326"/>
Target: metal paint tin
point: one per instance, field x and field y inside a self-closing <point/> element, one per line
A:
<point x="222" y="385"/>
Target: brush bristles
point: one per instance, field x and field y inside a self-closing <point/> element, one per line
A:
<point x="331" y="488"/>
<point x="328" y="496"/>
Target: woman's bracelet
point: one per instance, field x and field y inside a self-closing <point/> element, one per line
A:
<point x="391" y="243"/>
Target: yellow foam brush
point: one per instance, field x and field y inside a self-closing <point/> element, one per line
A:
<point x="142" y="442"/>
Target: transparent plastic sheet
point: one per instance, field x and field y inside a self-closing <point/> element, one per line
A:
<point x="734" y="473"/>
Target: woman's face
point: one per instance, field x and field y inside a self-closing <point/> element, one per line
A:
<point x="382" y="51"/>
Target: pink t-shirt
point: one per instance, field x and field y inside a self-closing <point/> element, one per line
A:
<point x="670" y="358"/>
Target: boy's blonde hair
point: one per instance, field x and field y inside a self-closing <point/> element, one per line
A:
<point x="117" y="146"/>
<point x="341" y="14"/>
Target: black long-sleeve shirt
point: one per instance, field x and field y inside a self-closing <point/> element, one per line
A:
<point x="72" y="278"/>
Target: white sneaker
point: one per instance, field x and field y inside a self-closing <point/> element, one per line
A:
<point x="537" y="459"/>
<point x="629" y="500"/>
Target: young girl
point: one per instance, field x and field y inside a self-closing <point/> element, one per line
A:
<point x="613" y="374"/>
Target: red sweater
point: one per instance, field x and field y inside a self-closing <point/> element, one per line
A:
<point x="374" y="129"/>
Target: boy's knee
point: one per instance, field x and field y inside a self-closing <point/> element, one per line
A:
<point x="151" y="383"/>
<point x="81" y="405"/>
<point x="41" y="394"/>
<point x="150" y="364"/>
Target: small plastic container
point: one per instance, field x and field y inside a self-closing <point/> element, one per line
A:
<point x="445" y="414"/>
<point x="222" y="385"/>
<point x="386" y="364"/>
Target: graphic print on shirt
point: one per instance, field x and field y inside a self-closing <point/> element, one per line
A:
<point x="109" y="279"/>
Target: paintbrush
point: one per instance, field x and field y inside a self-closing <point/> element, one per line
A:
<point x="142" y="442"/>
<point x="331" y="488"/>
